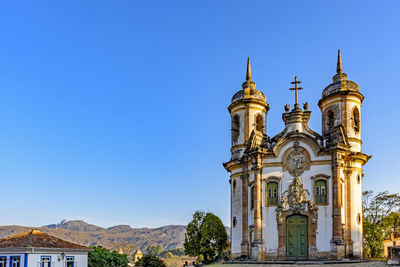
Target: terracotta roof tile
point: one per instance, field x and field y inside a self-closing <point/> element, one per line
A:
<point x="37" y="239"/>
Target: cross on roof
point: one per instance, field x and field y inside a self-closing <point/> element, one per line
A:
<point x="296" y="105"/>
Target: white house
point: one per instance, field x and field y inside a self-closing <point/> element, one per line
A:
<point x="37" y="249"/>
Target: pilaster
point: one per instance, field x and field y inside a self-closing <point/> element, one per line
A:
<point x="257" y="247"/>
<point x="244" y="245"/>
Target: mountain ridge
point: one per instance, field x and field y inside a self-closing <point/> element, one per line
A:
<point x="114" y="238"/>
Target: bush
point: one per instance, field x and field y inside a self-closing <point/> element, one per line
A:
<point x="150" y="261"/>
<point x="100" y="257"/>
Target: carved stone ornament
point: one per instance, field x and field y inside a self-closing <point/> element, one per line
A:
<point x="296" y="161"/>
<point x="297" y="199"/>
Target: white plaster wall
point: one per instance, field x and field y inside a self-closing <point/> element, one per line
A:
<point x="324" y="227"/>
<point x="343" y="195"/>
<point x="236" y="209"/>
<point x="81" y="260"/>
<point x="356" y="209"/>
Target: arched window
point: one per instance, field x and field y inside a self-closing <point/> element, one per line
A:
<point x="272" y="193"/>
<point x="252" y="197"/>
<point x="356" y="120"/>
<point x="259" y="123"/>
<point x="321" y="192"/>
<point x="235" y="129"/>
<point x="330" y="116"/>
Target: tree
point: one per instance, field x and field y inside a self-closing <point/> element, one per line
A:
<point x="100" y="257"/>
<point x="205" y="237"/>
<point x="154" y="250"/>
<point x="381" y="218"/>
<point x="150" y="261"/>
<point x="213" y="238"/>
<point x="193" y="235"/>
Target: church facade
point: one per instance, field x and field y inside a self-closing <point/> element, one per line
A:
<point x="297" y="195"/>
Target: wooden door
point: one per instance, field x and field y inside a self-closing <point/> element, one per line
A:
<point x="296" y="237"/>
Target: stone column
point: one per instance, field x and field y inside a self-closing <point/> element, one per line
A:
<point x="257" y="206"/>
<point x="244" y="245"/>
<point x="337" y="243"/>
<point x="257" y="245"/>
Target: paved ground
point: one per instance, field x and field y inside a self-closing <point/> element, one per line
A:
<point x="302" y="263"/>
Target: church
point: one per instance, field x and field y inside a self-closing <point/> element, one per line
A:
<point x="297" y="195"/>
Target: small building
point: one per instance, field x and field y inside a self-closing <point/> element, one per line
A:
<point x="137" y="255"/>
<point x="394" y="241"/>
<point x="34" y="248"/>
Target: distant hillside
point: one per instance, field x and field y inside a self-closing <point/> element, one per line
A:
<point x="76" y="225"/>
<point x="120" y="236"/>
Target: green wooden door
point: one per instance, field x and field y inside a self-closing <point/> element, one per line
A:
<point x="296" y="237"/>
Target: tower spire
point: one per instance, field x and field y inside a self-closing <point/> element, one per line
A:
<point x="339" y="68"/>
<point x="248" y="72"/>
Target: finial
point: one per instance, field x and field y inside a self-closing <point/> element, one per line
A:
<point x="248" y="72"/>
<point x="339" y="68"/>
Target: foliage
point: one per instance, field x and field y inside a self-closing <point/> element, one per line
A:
<point x="175" y="252"/>
<point x="205" y="237"/>
<point x="154" y="250"/>
<point x="381" y="218"/>
<point x="150" y="261"/>
<point x="100" y="257"/>
<point x="193" y="235"/>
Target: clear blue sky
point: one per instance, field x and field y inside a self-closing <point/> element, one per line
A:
<point x="114" y="112"/>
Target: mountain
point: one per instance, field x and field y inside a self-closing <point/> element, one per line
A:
<point x="114" y="238"/>
<point x="76" y="225"/>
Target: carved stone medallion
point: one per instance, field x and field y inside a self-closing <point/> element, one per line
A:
<point x="296" y="160"/>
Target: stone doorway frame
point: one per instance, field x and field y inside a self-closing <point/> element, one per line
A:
<point x="311" y="231"/>
<point x="296" y="200"/>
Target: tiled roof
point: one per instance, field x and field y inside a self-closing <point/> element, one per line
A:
<point x="37" y="239"/>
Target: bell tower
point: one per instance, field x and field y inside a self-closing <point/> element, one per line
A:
<point x="341" y="128"/>
<point x="341" y="107"/>
<point x="248" y="111"/>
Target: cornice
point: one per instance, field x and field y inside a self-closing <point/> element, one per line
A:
<point x="341" y="93"/>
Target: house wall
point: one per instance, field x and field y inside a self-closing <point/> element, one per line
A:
<point x="33" y="259"/>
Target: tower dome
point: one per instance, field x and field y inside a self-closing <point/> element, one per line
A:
<point x="249" y="90"/>
<point x="340" y="82"/>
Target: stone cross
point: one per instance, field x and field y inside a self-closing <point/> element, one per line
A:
<point x="296" y="105"/>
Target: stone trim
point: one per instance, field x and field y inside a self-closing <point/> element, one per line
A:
<point x="312" y="233"/>
<point x="324" y="177"/>
<point x="267" y="180"/>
